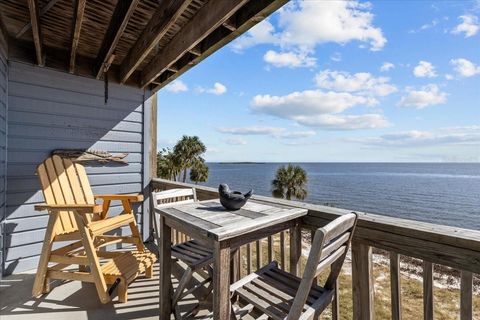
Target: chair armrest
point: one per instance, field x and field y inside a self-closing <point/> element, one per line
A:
<point x="85" y="208"/>
<point x="129" y="197"/>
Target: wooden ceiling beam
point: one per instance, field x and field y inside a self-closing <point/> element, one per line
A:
<point x="36" y="31"/>
<point x="248" y="16"/>
<point x="212" y="15"/>
<point x="163" y="18"/>
<point x="77" y="27"/>
<point x="43" y="11"/>
<point x="118" y="23"/>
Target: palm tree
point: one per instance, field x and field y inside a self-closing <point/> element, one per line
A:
<point x="188" y="151"/>
<point x="167" y="165"/>
<point x="290" y="181"/>
<point x="199" y="172"/>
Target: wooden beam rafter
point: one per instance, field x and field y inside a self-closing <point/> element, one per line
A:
<point x="245" y="18"/>
<point x="77" y="27"/>
<point x="36" y="31"/>
<point x="161" y="21"/>
<point x="212" y="15"/>
<point x="118" y="23"/>
<point x="43" y="11"/>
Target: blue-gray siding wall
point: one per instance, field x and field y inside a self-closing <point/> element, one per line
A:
<point x="53" y="110"/>
<point x="3" y="136"/>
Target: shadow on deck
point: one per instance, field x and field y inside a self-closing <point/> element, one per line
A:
<point x="78" y="300"/>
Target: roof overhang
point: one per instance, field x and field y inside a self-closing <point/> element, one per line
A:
<point x="143" y="43"/>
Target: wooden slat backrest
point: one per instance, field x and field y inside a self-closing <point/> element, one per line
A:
<point x="64" y="182"/>
<point x="174" y="196"/>
<point x="329" y="248"/>
<point x="163" y="199"/>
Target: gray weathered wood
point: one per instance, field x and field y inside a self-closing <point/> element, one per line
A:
<point x="395" y="286"/>
<point x="295" y="249"/>
<point x="362" y="282"/>
<point x="165" y="283"/>
<point x="281" y="295"/>
<point x="427" y="290"/>
<point x="466" y="296"/>
<point x="221" y="281"/>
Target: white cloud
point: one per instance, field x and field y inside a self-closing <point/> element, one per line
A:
<point x="428" y="95"/>
<point x="361" y="82"/>
<point x="263" y="32"/>
<point x="305" y="24"/>
<point x="177" y="86"/>
<point x="253" y="130"/>
<point x="426" y="26"/>
<point x="276" y="132"/>
<point x="464" y="67"/>
<point x="298" y="134"/>
<point x="337" y="57"/>
<point x="344" y="122"/>
<point x="424" y="69"/>
<point x="448" y="76"/>
<point x="469" y="26"/>
<point x="289" y="59"/>
<point x="308" y="103"/>
<point x="386" y="66"/>
<point x="236" y="141"/>
<point x="217" y="89"/>
<point x="448" y="135"/>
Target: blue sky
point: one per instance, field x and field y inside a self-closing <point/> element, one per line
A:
<point x="338" y="81"/>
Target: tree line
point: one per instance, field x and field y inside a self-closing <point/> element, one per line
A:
<point x="187" y="157"/>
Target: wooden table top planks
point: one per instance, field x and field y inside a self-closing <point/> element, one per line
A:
<point x="211" y="220"/>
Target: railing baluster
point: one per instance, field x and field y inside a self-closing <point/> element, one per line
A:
<point x="427" y="290"/>
<point x="259" y="254"/>
<point x="270" y="249"/>
<point x="466" y="282"/>
<point x="335" y="302"/>
<point x="362" y="279"/>
<point x="283" y="259"/>
<point x="395" y="286"/>
<point x="249" y="258"/>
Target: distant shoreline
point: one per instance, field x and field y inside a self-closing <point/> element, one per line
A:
<point x="242" y="162"/>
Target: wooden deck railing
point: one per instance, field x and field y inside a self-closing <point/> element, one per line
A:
<point x="433" y="244"/>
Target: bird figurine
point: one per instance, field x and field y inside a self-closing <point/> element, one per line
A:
<point x="232" y="200"/>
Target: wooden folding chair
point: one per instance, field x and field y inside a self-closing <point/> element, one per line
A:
<point x="75" y="217"/>
<point x="197" y="258"/>
<point x="280" y="295"/>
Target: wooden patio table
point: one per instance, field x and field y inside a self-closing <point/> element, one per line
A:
<point x="221" y="230"/>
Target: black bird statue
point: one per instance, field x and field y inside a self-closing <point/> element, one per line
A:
<point x="232" y="200"/>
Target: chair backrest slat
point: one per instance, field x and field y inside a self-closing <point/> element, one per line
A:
<point x="64" y="182"/>
<point x="329" y="248"/>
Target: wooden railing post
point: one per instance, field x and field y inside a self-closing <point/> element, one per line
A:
<point x="395" y="286"/>
<point x="427" y="290"/>
<point x="466" y="295"/>
<point x="362" y="282"/>
<point x="295" y="249"/>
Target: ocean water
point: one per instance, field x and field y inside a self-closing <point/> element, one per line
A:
<point x="443" y="193"/>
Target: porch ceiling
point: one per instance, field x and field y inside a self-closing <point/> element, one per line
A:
<point x="144" y="43"/>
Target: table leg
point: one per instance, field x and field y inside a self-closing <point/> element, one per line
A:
<point x="165" y="270"/>
<point x="295" y="249"/>
<point x="221" y="281"/>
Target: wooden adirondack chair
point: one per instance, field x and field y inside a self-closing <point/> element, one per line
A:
<point x="74" y="216"/>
